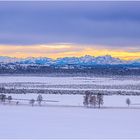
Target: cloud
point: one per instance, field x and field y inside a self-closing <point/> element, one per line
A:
<point x="114" y="24"/>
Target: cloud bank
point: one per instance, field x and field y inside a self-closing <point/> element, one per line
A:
<point x="112" y="27"/>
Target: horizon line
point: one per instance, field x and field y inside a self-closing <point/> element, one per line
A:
<point x="67" y="57"/>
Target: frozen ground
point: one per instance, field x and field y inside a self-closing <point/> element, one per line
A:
<point x="122" y="80"/>
<point x="68" y="118"/>
<point x="55" y="122"/>
<point x="123" y="83"/>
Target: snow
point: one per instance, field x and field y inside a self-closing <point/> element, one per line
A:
<point x="68" y="118"/>
<point x="60" y="120"/>
<point x="55" y="122"/>
<point x="41" y="122"/>
<point x="6" y="59"/>
<point x="73" y="80"/>
<point x="107" y="59"/>
<point x="77" y="100"/>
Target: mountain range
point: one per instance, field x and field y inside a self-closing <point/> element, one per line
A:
<point x="84" y="60"/>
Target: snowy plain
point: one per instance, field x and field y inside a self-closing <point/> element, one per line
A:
<point x="122" y="80"/>
<point x="68" y="118"/>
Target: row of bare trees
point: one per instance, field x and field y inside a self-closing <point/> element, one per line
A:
<point x="39" y="100"/>
<point x="93" y="100"/>
<point x="90" y="100"/>
<point x="4" y="98"/>
<point x="97" y="100"/>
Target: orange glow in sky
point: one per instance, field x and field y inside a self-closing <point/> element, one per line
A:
<point x="65" y="50"/>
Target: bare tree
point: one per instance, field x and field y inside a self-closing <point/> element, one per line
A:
<point x="2" y="89"/>
<point x="86" y="98"/>
<point x="32" y="101"/>
<point x="39" y="99"/>
<point x="9" y="99"/>
<point x="2" y="98"/>
<point x="85" y="102"/>
<point x="17" y="102"/>
<point x="100" y="100"/>
<point x="128" y="102"/>
<point x="93" y="101"/>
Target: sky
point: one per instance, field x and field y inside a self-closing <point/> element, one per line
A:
<point x="65" y="29"/>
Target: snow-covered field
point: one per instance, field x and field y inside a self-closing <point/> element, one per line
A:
<point x="68" y="118"/>
<point x="123" y="83"/>
<point x="121" y="80"/>
<point x="55" y="122"/>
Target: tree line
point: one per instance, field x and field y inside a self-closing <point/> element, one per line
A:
<point x="89" y="100"/>
<point x="9" y="99"/>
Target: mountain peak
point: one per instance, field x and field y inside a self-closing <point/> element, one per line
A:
<point x="87" y="59"/>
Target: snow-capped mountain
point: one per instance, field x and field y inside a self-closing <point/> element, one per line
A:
<point x="135" y="62"/>
<point x="85" y="60"/>
<point x="39" y="61"/>
<point x="6" y="59"/>
<point x="67" y="60"/>
<point x="108" y="60"/>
